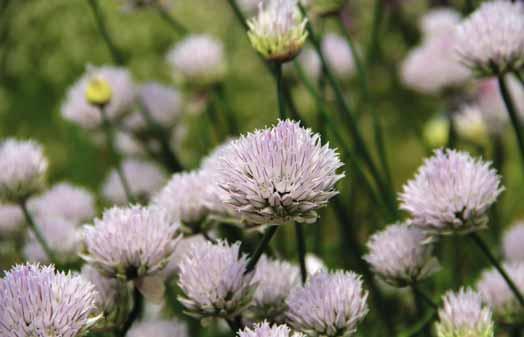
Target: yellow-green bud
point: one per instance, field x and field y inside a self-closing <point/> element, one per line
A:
<point x="436" y="132"/>
<point x="98" y="91"/>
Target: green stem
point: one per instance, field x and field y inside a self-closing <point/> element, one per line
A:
<point x="38" y="234"/>
<point x="235" y="323"/>
<point x="177" y="26"/>
<point x="378" y="15"/>
<point x="485" y="249"/>
<point x="262" y="246"/>
<point x="104" y="31"/>
<point x="280" y="93"/>
<point x="421" y="326"/>
<point x="425" y="298"/>
<point x="110" y="139"/>
<point x="138" y="304"/>
<point x="301" y="249"/>
<point x="512" y="111"/>
<point x="229" y="113"/>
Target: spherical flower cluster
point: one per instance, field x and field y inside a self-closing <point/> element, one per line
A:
<point x="433" y="67"/>
<point x="182" y="247"/>
<point x="512" y="243"/>
<point x="198" y="61"/>
<point x="497" y="294"/>
<point x="470" y="124"/>
<point x="264" y="329"/>
<point x="439" y="22"/>
<point x="278" y="32"/>
<point x="23" y="166"/>
<point x="278" y="175"/>
<point x="183" y="197"/>
<point x="11" y="219"/>
<point x="163" y="104"/>
<point x="107" y="291"/>
<point x="144" y="178"/>
<point x="78" y="110"/>
<point x="330" y="304"/>
<point x="130" y="242"/>
<point x="75" y="204"/>
<point x="463" y="315"/>
<point x="491" y="39"/>
<point x="213" y="280"/>
<point x="61" y="235"/>
<point x="39" y="301"/>
<point x="338" y="55"/>
<point x="275" y="280"/>
<point x="158" y="328"/>
<point x="310" y="62"/>
<point x="401" y="255"/>
<point x="451" y="193"/>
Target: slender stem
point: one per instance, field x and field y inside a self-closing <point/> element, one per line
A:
<point x="508" y="101"/>
<point x="425" y="298"/>
<point x="110" y="139"/>
<point x="36" y="231"/>
<point x="228" y="111"/>
<point x="519" y="77"/>
<point x="280" y="93"/>
<point x="373" y="47"/>
<point x="262" y="246"/>
<point x="421" y="326"/>
<point x="177" y="26"/>
<point x="301" y="249"/>
<point x="104" y="31"/>
<point x="138" y="304"/>
<point x="485" y="249"/>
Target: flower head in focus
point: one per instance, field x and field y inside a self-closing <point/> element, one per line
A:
<point x="491" y="39"/>
<point x="401" y="255"/>
<point x="330" y="304"/>
<point x="498" y="295"/>
<point x="464" y="315"/>
<point x="130" y="242"/>
<point x="77" y="109"/>
<point x="275" y="280"/>
<point x="24" y="167"/>
<point x="145" y="179"/>
<point x="278" y="175"/>
<point x="278" y="32"/>
<point x="512" y="243"/>
<point x="198" y="60"/>
<point x="451" y="193"/>
<point x="213" y="280"/>
<point x="39" y="301"/>
<point x="159" y="328"/>
<point x="264" y="329"/>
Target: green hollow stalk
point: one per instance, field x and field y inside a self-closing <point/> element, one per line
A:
<point x="104" y="31"/>
<point x="261" y="248"/>
<point x="301" y="249"/>
<point x="134" y="314"/>
<point x="171" y="21"/>
<point x="38" y="234"/>
<point x="378" y="15"/>
<point x="280" y="92"/>
<point x="491" y="258"/>
<point x="110" y="140"/>
<point x="422" y="296"/>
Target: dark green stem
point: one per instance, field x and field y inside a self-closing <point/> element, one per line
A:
<point x="425" y="298"/>
<point x="235" y="324"/>
<point x="485" y="249"/>
<point x="301" y="249"/>
<point x="262" y="246"/>
<point x="280" y="93"/>
<point x="378" y="15"/>
<point x="102" y="27"/>
<point x="138" y="304"/>
<point x="38" y="234"/>
<point x="177" y="26"/>
<point x="229" y="113"/>
<point x="512" y="111"/>
<point x="110" y="139"/>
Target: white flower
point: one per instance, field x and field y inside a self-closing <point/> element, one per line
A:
<point x="278" y="175"/>
<point x="451" y="193"/>
<point x="130" y="242"/>
<point x="77" y="109"/>
<point x="463" y="315"/>
<point x="275" y="280"/>
<point x="439" y="22"/>
<point x="75" y="204"/>
<point x="265" y="330"/>
<point x="497" y="294"/>
<point x="330" y="304"/>
<point x="491" y="40"/>
<point x="158" y="328"/>
<point x="512" y="243"/>
<point x="310" y="62"/>
<point x="23" y="167"/>
<point x="401" y="255"/>
<point x="338" y="55"/>
<point x="182" y="248"/>
<point x="128" y="145"/>
<point x="11" y="219"/>
<point x="144" y="178"/>
<point x="183" y="197"/>
<point x="278" y="32"/>
<point x="107" y="289"/>
<point x="39" y="301"/>
<point x="198" y="60"/>
<point x="213" y="280"/>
